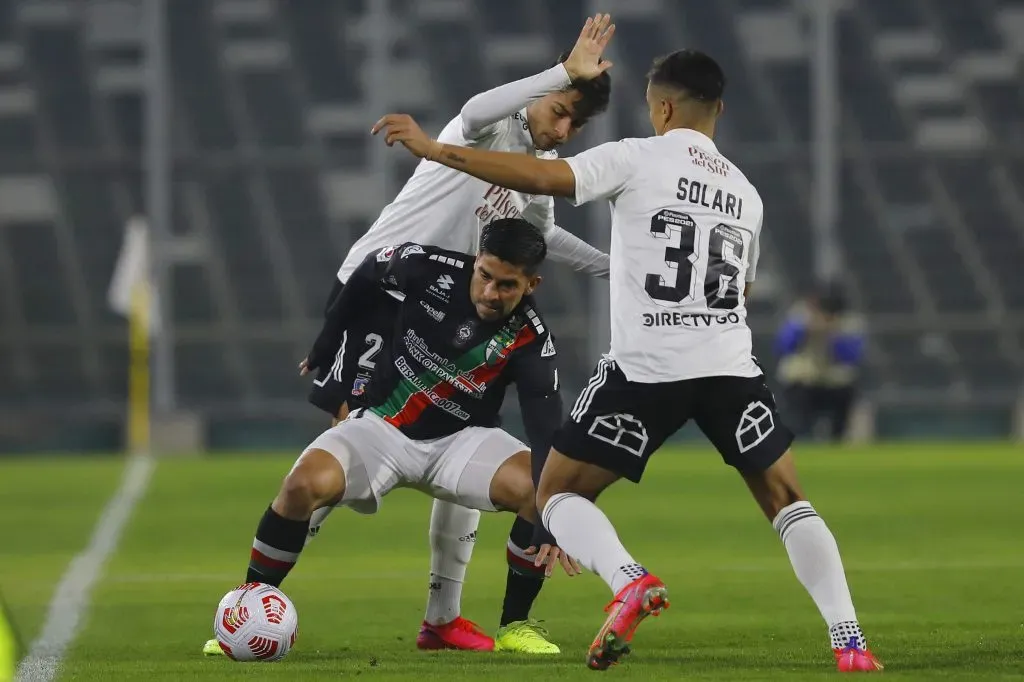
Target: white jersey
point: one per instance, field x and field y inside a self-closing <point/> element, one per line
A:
<point x="685" y="230"/>
<point x="446" y="208"/>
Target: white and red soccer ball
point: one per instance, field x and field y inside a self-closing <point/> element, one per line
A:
<point x="256" y="622"/>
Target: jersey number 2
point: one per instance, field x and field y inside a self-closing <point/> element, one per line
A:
<point x="374" y="343"/>
<point x="721" y="269"/>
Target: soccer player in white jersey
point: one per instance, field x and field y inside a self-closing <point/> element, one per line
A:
<point x="445" y="208"/>
<point x="684" y="250"/>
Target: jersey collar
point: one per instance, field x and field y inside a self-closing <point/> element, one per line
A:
<point x="704" y="140"/>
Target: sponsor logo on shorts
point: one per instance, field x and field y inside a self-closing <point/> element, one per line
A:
<point x="673" y="319"/>
<point x="756" y="423"/>
<point x="623" y="431"/>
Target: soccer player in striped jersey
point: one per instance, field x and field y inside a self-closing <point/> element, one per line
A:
<point x="463" y="329"/>
<point x="442" y="207"/>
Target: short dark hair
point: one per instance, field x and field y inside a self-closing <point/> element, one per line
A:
<point x="515" y="241"/>
<point x="691" y="71"/>
<point x="594" y="94"/>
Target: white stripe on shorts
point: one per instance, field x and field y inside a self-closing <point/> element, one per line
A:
<point x="587" y="394"/>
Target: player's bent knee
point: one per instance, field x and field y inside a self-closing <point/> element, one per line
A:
<point x="562" y="474"/>
<point x="316" y="480"/>
<point x="512" y="488"/>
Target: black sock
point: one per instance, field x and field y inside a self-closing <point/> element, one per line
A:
<point x="276" y="548"/>
<point x="524" y="579"/>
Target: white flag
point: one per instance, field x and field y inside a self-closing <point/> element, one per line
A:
<point x="133" y="270"/>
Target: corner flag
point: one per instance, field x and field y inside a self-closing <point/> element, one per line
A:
<point x="132" y="295"/>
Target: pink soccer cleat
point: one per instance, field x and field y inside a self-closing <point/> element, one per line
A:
<point x="462" y="634"/>
<point x="645" y="596"/>
<point x="851" y="659"/>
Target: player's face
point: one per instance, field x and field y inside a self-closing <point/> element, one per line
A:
<point x="551" y="119"/>
<point x="497" y="287"/>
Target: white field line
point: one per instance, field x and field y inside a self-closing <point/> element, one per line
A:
<point x="71" y="598"/>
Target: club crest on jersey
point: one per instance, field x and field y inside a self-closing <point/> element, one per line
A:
<point x="496" y="351"/>
<point x="359" y="385"/>
<point x="385" y="254"/>
<point x="498" y="347"/>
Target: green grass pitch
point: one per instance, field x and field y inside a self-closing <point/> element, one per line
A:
<point x="932" y="537"/>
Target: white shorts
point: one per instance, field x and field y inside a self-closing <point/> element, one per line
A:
<point x="377" y="457"/>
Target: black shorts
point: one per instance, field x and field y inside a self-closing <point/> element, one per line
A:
<point x="344" y="381"/>
<point x="617" y="424"/>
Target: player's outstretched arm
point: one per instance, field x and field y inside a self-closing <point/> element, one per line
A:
<point x="519" y="172"/>
<point x="565" y="247"/>
<point x="542" y="415"/>
<point x="540" y="401"/>
<point x="584" y="63"/>
<point x="480" y="114"/>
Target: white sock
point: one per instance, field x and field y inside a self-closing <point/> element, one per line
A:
<point x="452" y="538"/>
<point x="819" y="568"/>
<point x="585" y="533"/>
<point x="317" y="520"/>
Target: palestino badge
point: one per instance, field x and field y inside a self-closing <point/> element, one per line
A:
<point x="498" y="348"/>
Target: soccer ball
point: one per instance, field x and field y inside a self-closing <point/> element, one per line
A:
<point x="256" y="622"/>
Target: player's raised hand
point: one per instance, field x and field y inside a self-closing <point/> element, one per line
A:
<point x="548" y="555"/>
<point x="403" y="128"/>
<point x="584" y="62"/>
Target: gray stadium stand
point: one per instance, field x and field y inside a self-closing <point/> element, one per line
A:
<point x="275" y="175"/>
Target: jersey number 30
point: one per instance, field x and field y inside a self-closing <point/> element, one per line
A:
<point x="722" y="266"/>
